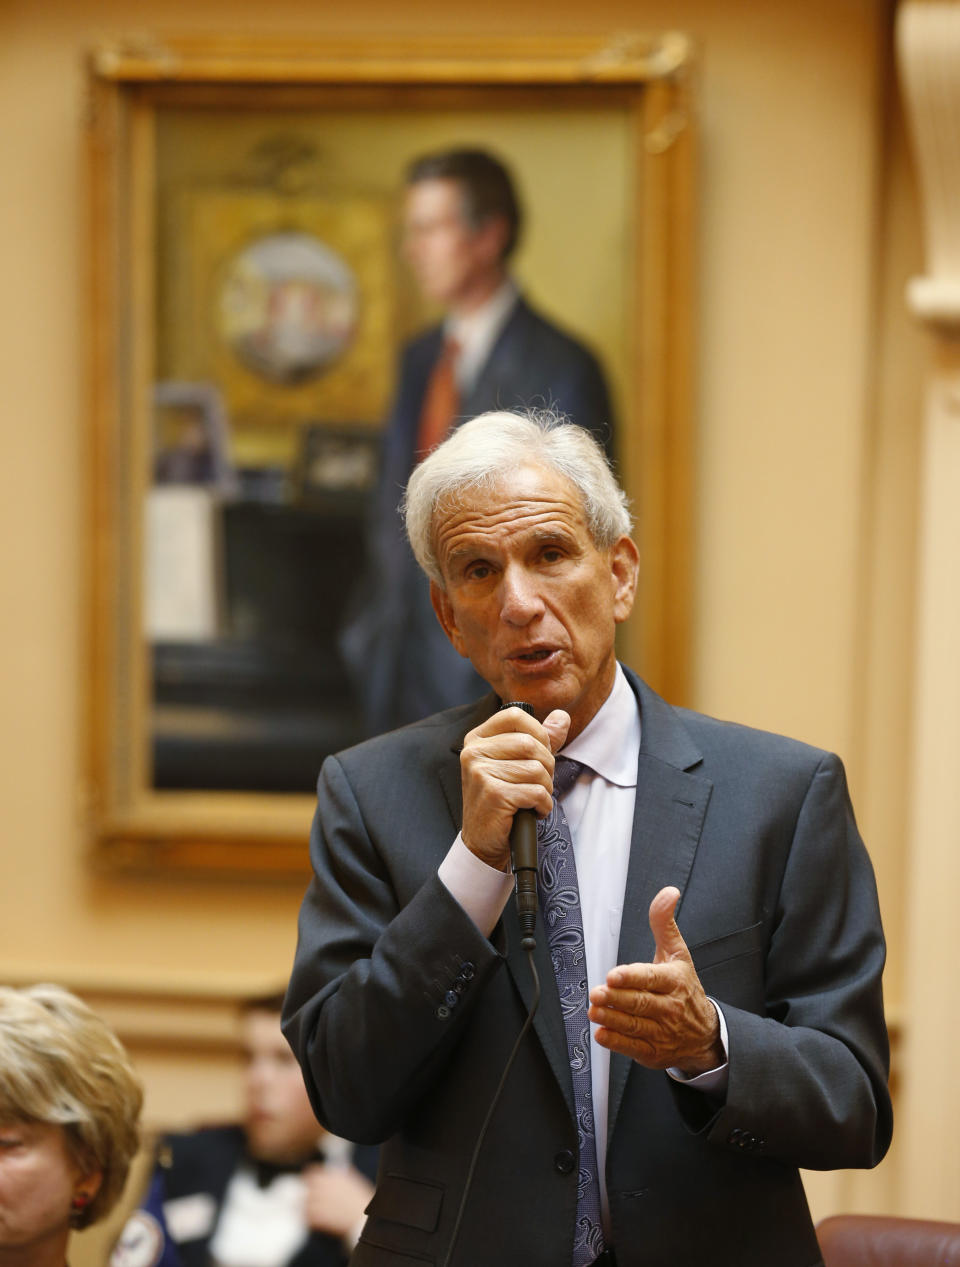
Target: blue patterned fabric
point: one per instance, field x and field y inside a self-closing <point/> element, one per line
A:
<point x="560" y="903"/>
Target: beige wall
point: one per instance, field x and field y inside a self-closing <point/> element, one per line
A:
<point x="807" y="428"/>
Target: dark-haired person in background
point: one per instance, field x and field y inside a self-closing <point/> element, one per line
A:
<point x="276" y="1191"/>
<point x="462" y="221"/>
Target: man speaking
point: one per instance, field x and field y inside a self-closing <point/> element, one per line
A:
<point x="706" y="904"/>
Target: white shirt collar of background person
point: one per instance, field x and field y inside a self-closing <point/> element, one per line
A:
<point x="260" y="1227"/>
<point x="476" y="332"/>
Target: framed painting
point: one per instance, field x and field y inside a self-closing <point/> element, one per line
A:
<point x="248" y="301"/>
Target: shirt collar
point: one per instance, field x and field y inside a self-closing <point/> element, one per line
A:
<point x="477" y="332"/>
<point x="610" y="742"/>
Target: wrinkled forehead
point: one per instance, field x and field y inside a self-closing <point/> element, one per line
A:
<point x="525" y="498"/>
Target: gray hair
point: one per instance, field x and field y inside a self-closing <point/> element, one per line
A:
<point x="479" y="453"/>
<point x="61" y="1065"/>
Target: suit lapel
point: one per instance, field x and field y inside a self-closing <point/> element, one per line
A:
<point x="548" y="1021"/>
<point x="450" y="765"/>
<point x="669" y="811"/>
<point x="494" y="388"/>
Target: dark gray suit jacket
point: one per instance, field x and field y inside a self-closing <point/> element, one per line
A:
<point x="404" y="667"/>
<point x="779" y="909"/>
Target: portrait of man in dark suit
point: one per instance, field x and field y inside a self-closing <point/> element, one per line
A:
<point x="707" y="933"/>
<point x="462" y="220"/>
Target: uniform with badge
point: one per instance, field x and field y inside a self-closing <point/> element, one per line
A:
<point x="209" y="1202"/>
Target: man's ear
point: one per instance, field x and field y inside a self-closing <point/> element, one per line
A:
<point x="445" y="614"/>
<point x="625" y="567"/>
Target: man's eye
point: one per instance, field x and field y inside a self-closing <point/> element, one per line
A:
<point x="477" y="572"/>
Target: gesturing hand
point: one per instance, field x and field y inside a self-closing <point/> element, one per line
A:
<point x="657" y="1013"/>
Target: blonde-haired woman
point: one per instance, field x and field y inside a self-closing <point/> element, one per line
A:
<point x="69" y="1106"/>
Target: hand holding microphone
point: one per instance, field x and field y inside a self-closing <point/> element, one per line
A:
<point x="507" y="766"/>
<point x="523" y="859"/>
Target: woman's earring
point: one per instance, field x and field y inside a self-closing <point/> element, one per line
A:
<point x="78" y="1208"/>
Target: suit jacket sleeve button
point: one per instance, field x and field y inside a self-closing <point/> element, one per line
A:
<point x="451" y="998"/>
<point x="466" y="971"/>
<point x="564" y="1161"/>
<point x="443" y="1012"/>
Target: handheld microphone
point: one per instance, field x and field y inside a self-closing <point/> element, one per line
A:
<point x="523" y="860"/>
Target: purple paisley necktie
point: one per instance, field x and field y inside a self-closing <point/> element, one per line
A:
<point x="560" y="903"/>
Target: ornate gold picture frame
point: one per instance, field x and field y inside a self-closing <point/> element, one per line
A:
<point x="212" y="164"/>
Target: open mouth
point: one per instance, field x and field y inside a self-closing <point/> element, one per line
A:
<point x="534" y="657"/>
